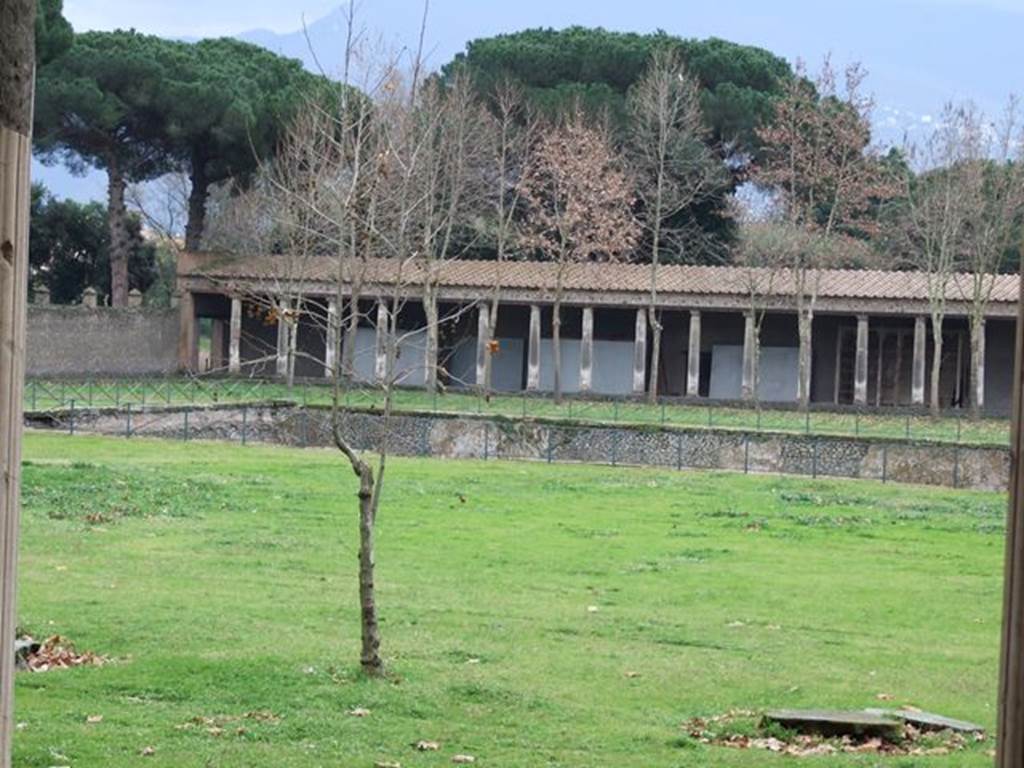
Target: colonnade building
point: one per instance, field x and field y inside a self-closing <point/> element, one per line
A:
<point x="727" y="331"/>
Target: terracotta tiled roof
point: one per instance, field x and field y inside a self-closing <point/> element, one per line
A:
<point x="693" y="280"/>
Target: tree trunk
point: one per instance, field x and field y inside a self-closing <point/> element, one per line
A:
<point x="804" y="368"/>
<point x="348" y="348"/>
<point x="977" y="364"/>
<point x="556" y="347"/>
<point x="431" y="351"/>
<point x="492" y="327"/>
<point x="120" y="240"/>
<point x="293" y="336"/>
<point x="652" y="385"/>
<point x="16" y="77"/>
<point x="197" y="205"/>
<point x="935" y="405"/>
<point x="369" y="656"/>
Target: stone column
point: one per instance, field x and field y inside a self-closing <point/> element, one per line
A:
<point x="331" y="338"/>
<point x="693" y="356"/>
<point x="380" y="370"/>
<point x="235" y="337"/>
<point x="40" y="295"/>
<point x="283" y="339"/>
<point x="918" y="366"/>
<point x="587" y="350"/>
<point x="860" y="370"/>
<point x="640" y="352"/>
<point x="749" y="380"/>
<point x="89" y="297"/>
<point x="979" y="372"/>
<point x="483" y="337"/>
<point x="134" y="298"/>
<point x="533" y="351"/>
<point x="188" y="350"/>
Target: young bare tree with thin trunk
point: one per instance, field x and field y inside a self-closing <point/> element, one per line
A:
<point x="938" y="204"/>
<point x="994" y="182"/>
<point x="578" y="202"/>
<point x="759" y="263"/>
<point x="673" y="167"/>
<point x="828" y="179"/>
<point x="509" y="130"/>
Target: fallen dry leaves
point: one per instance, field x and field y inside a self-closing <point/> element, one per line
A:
<point x="718" y="731"/>
<point x="56" y="652"/>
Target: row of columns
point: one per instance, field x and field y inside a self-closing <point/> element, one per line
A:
<point x="286" y="345"/>
<point x="586" y="379"/>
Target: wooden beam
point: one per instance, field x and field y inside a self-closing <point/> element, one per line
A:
<point x="1010" y="724"/>
<point x="16" y="77"/>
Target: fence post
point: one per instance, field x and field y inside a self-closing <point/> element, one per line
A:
<point x="615" y="447"/>
<point x="487" y="436"/>
<point x="856" y="423"/>
<point x="128" y="420"/>
<point x="814" y="459"/>
<point x="746" y="453"/>
<point x="549" y="445"/>
<point x="62" y="399"/>
<point x="885" y="461"/>
<point x="956" y="466"/>
<point x="71" y="420"/>
<point x="245" y="418"/>
<point x="958" y="427"/>
<point x="907" y="432"/>
<point x="117" y="394"/>
<point x="89" y="390"/>
<point x="807" y="421"/>
<point x="186" y="426"/>
<point x="34" y="384"/>
<point x="679" y="450"/>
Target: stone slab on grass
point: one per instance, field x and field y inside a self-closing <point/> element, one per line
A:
<point x="830" y="722"/>
<point x="928" y="721"/>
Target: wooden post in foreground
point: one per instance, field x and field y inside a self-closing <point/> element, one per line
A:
<point x="17" y="67"/>
<point x="1010" y="726"/>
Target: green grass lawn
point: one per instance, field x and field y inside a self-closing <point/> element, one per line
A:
<point x="48" y="394"/>
<point x="221" y="581"/>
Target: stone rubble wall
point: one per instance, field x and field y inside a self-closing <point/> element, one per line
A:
<point x="475" y="437"/>
<point x="79" y="341"/>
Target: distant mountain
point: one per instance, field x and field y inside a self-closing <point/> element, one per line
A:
<point x="919" y="55"/>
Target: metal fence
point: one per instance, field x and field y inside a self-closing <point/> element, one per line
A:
<point x="953" y="427"/>
<point x="447" y="436"/>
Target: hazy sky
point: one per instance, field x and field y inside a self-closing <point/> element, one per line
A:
<point x="919" y="53"/>
<point x="202" y="18"/>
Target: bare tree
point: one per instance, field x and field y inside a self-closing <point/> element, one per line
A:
<point x="938" y="203"/>
<point x="578" y="202"/>
<point x="994" y="183"/>
<point x="673" y="166"/>
<point x="759" y="263"/>
<point x="510" y="131"/>
<point x="828" y="179"/>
